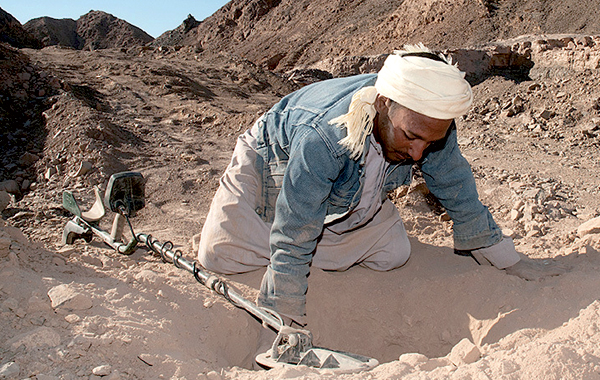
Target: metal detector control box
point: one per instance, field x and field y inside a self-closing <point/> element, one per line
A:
<point x="125" y="193"/>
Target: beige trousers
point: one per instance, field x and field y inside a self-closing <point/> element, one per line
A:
<point x="236" y="240"/>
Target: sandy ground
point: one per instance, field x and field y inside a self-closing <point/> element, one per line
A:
<point x="85" y="312"/>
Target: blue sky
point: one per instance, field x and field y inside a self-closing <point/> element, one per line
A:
<point x="153" y="16"/>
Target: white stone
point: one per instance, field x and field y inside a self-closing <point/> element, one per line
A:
<point x="592" y="226"/>
<point x="464" y="352"/>
<point x="42" y="336"/>
<point x="64" y="296"/>
<point x="9" y="370"/>
<point x="102" y="370"/>
<point x="412" y="359"/>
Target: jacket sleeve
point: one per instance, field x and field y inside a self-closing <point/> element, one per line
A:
<point x="299" y="217"/>
<point x="449" y="178"/>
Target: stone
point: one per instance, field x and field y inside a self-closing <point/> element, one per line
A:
<point x="9" y="370"/>
<point x="27" y="159"/>
<point x="40" y="337"/>
<point x="515" y="215"/>
<point x="592" y="226"/>
<point x="547" y="114"/>
<point x="10" y="186"/>
<point x="72" y="318"/>
<point x="413" y="359"/>
<point x="4" y="200"/>
<point x="46" y="377"/>
<point x="464" y="352"/>
<point x="103" y="370"/>
<point x="65" y="297"/>
<point x="5" y="243"/>
<point x="84" y="168"/>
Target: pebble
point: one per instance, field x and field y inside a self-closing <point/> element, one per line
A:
<point x="103" y="370"/>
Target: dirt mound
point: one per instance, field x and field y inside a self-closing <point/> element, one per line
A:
<point x="13" y="33"/>
<point x="288" y="33"/>
<point x="94" y="30"/>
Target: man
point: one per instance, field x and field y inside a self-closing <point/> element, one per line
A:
<point x="307" y="184"/>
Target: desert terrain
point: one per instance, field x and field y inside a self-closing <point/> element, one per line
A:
<point x="172" y="110"/>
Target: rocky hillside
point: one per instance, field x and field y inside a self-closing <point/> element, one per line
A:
<point x="51" y="31"/>
<point x="94" y="30"/>
<point x="13" y="33"/>
<point x="286" y="33"/>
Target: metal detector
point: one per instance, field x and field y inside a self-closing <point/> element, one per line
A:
<point x="124" y="196"/>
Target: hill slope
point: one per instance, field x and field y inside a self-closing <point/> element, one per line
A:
<point x="288" y="33"/>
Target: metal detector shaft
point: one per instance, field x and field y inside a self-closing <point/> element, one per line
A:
<point x="210" y="281"/>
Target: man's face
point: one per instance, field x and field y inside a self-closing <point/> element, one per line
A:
<point x="405" y="134"/>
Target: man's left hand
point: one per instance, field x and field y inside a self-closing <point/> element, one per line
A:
<point x="535" y="270"/>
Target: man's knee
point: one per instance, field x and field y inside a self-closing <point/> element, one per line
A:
<point x="391" y="257"/>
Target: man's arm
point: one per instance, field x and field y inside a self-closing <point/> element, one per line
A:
<point x="299" y="217"/>
<point x="450" y="180"/>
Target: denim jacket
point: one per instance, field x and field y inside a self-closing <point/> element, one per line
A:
<point x="309" y="180"/>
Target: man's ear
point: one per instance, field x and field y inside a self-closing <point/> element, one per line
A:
<point x="380" y="104"/>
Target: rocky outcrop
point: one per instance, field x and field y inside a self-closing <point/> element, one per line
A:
<point x="13" y="33"/>
<point x="94" y="30"/>
<point x="176" y="36"/>
<point x="51" y="31"/>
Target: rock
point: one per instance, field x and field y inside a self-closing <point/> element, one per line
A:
<point x="4" y="200"/>
<point x="546" y="114"/>
<point x="10" y="186"/>
<point x="592" y="226"/>
<point x="50" y="172"/>
<point x="413" y="359"/>
<point x="72" y="318"/>
<point x="46" y="377"/>
<point x="103" y="370"/>
<point x="42" y="336"/>
<point x="9" y="370"/>
<point x="464" y="352"/>
<point x="515" y="215"/>
<point x="65" y="297"/>
<point x="84" y="168"/>
<point x="27" y="159"/>
<point x="4" y="246"/>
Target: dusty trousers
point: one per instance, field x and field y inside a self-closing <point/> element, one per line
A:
<point x="236" y="240"/>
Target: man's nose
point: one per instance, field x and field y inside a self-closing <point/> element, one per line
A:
<point x="417" y="147"/>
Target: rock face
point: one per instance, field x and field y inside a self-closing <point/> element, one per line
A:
<point x="94" y="30"/>
<point x="303" y="32"/>
<point x="13" y="33"/>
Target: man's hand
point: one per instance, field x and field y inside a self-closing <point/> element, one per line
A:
<point x="535" y="270"/>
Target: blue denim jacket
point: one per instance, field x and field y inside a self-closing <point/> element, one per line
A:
<point x="308" y="181"/>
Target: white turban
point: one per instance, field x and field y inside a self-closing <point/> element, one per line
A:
<point x="433" y="88"/>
